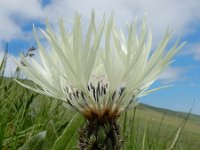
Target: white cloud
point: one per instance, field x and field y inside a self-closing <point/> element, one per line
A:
<point x="192" y="49"/>
<point x="8" y="28"/>
<point x="172" y="74"/>
<point x="26" y="9"/>
<point x="179" y="15"/>
<point x="14" y="14"/>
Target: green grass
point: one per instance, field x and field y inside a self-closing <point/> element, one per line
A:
<point x="31" y="121"/>
<point x="24" y="114"/>
<point x="161" y="125"/>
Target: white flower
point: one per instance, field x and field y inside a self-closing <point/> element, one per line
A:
<point x="99" y="79"/>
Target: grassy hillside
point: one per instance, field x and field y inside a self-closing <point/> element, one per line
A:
<point x="170" y="120"/>
<point x="24" y="114"/>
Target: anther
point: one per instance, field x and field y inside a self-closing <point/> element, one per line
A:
<point x="88" y="87"/>
<point x="82" y="95"/>
<point x="77" y="93"/>
<point x="121" y="91"/>
<point x="113" y="96"/>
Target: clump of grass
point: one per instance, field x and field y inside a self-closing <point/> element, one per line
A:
<point x="24" y="114"/>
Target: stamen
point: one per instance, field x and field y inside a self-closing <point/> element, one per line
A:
<point x="77" y="94"/>
<point x="104" y="91"/>
<point x="106" y="85"/>
<point x="82" y="95"/>
<point x="113" y="96"/>
<point x="98" y="88"/>
<point x="98" y="91"/>
<point x="91" y="86"/>
<point x="88" y="87"/>
<point x="70" y="103"/>
<point x="93" y="91"/>
<point x="74" y="94"/>
<point x="121" y="91"/>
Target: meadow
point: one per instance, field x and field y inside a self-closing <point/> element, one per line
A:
<point x="30" y="121"/>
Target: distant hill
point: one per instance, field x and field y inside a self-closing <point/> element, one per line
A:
<point x="179" y="114"/>
<point x="170" y="121"/>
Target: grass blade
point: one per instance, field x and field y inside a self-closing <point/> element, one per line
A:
<point x="67" y="138"/>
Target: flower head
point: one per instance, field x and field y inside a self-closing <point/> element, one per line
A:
<point x="100" y="79"/>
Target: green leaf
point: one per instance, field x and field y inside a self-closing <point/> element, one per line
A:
<point x="3" y="62"/>
<point x="3" y="125"/>
<point x="37" y="142"/>
<point x="69" y="136"/>
<point x="3" y="65"/>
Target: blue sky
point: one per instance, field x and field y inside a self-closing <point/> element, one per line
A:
<point x="183" y="17"/>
